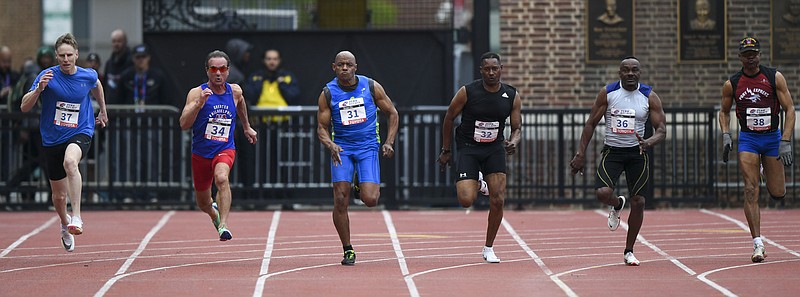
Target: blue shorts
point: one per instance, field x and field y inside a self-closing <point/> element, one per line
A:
<point x="365" y="161"/>
<point x="765" y="144"/>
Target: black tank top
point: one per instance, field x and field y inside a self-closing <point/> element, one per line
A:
<point x="483" y="118"/>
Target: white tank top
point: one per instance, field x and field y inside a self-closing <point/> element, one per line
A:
<point x="626" y="113"/>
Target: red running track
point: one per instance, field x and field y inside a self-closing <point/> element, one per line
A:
<point x="400" y="253"/>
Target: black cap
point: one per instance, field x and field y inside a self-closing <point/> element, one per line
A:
<point x="140" y="50"/>
<point x="749" y="44"/>
<point x="93" y="57"/>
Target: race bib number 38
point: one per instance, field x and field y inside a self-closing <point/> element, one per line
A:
<point x="67" y="114"/>
<point x="486" y="131"/>
<point x="623" y="121"/>
<point x="759" y="119"/>
<point x="352" y="111"/>
<point x="218" y="129"/>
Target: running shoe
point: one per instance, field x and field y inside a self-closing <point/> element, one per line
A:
<point x="75" y="226"/>
<point x="349" y="258"/>
<point x="630" y="259"/>
<point x="217" y="220"/>
<point x="759" y="253"/>
<point x="224" y="234"/>
<point x="67" y="239"/>
<point x="613" y="215"/>
<point x="489" y="256"/>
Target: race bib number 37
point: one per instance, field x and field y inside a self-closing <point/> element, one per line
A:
<point x="218" y="129"/>
<point x="352" y="111"/>
<point x="67" y="114"/>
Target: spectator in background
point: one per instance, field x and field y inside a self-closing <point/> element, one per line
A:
<point x="239" y="51"/>
<point x="8" y="77"/>
<point x="142" y="84"/>
<point x="271" y="86"/>
<point x="119" y="61"/>
<point x="93" y="61"/>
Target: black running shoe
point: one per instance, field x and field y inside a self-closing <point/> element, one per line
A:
<point x="349" y="258"/>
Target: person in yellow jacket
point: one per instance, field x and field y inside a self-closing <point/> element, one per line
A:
<point x="272" y="86"/>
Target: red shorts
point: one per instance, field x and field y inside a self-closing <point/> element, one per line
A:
<point x="203" y="168"/>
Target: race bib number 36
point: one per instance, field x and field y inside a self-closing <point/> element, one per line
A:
<point x="486" y="131"/>
<point x="352" y="111"/>
<point x="623" y="121"/>
<point x="759" y="119"/>
<point x="67" y="114"/>
<point x="218" y="129"/>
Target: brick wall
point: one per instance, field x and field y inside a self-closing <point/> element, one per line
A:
<point x="543" y="47"/>
<point x="21" y="29"/>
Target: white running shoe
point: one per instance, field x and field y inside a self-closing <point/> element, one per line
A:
<point x="759" y="253"/>
<point x="489" y="256"/>
<point x="67" y="239"/>
<point x="613" y="215"/>
<point x="630" y="259"/>
<point x="484" y="187"/>
<point x="75" y="226"/>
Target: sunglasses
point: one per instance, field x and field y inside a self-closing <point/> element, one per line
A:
<point x="215" y="69"/>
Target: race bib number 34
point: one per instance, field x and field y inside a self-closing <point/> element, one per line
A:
<point x="486" y="131"/>
<point x="623" y="121"/>
<point x="352" y="111"/>
<point x="218" y="129"/>
<point x="67" y="114"/>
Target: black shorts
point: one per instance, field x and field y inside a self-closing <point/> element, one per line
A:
<point x="54" y="155"/>
<point x="487" y="159"/>
<point x="614" y="160"/>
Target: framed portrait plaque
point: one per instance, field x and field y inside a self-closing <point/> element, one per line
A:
<point x="785" y="27"/>
<point x="702" y="31"/>
<point x="609" y="30"/>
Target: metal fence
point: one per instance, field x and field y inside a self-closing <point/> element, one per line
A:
<point x="143" y="159"/>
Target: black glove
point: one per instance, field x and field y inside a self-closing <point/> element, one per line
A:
<point x="726" y="146"/>
<point x="785" y="153"/>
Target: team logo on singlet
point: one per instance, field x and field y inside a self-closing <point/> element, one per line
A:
<point x="753" y="95"/>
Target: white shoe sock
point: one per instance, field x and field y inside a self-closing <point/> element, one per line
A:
<point x="757" y="241"/>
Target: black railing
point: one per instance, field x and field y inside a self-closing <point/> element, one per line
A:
<point x="143" y="159"/>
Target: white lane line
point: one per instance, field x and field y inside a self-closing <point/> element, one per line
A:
<point x="26" y="236"/>
<point x="746" y="228"/>
<point x="262" y="278"/>
<point x="122" y="269"/>
<point x="722" y="289"/>
<point x="398" y="251"/>
<point x="567" y="290"/>
<point x="653" y="247"/>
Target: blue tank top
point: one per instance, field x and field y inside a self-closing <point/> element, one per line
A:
<point x="354" y="116"/>
<point x="66" y="105"/>
<point x="212" y="131"/>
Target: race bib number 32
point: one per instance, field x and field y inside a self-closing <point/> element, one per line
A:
<point x="352" y="111"/>
<point x="67" y="114"/>
<point x="486" y="131"/>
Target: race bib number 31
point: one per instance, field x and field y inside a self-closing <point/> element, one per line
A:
<point x="218" y="129"/>
<point x="623" y="121"/>
<point x="486" y="131"/>
<point x="67" y="114"/>
<point x="352" y="111"/>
